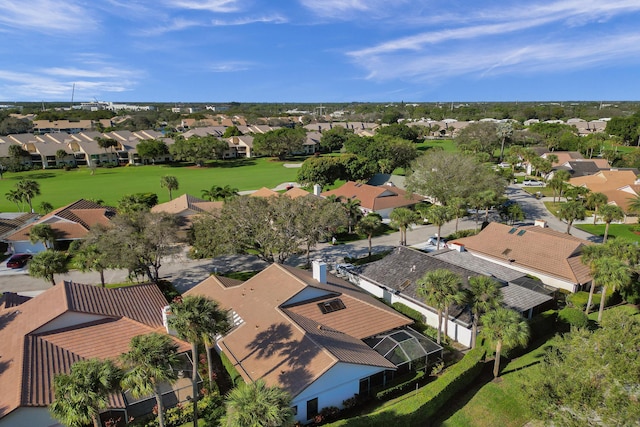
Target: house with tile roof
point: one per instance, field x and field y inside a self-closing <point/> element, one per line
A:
<point x="394" y="279"/>
<point x="317" y="336"/>
<point x="620" y="186"/>
<point x="71" y="222"/>
<point x="187" y="207"/>
<point x="382" y="199"/>
<point x="549" y="255"/>
<point x="43" y="336"/>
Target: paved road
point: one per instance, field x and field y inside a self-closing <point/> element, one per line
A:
<point x="185" y="273"/>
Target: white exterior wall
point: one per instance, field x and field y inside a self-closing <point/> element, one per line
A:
<point x="457" y="332"/>
<point x="68" y="319"/>
<point x="545" y="278"/>
<point x="29" y="417"/>
<point x="339" y="383"/>
<point x="26" y="247"/>
<point x="307" y="294"/>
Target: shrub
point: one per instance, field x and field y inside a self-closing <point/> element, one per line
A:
<point x="579" y="299"/>
<point x="570" y="317"/>
<point x="236" y="378"/>
<point x="461" y="233"/>
<point x="400" y="388"/>
<point x="168" y="290"/>
<point x="543" y="324"/>
<point x="408" y="311"/>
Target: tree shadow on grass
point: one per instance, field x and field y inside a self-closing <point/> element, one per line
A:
<point x="40" y="175"/>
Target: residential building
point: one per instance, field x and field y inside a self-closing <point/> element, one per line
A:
<point x="551" y="256"/>
<point x="43" y="336"/>
<point x="69" y="223"/>
<point x="317" y="336"/>
<point x="620" y="186"/>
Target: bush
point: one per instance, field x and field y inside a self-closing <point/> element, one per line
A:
<point x="236" y="378"/>
<point x="570" y="317"/>
<point x="543" y="324"/>
<point x="402" y="387"/>
<point x="408" y="311"/>
<point x="168" y="290"/>
<point x="461" y="233"/>
<point x="579" y="299"/>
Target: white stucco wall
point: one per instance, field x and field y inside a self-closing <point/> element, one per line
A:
<point x="339" y="383"/>
<point x="29" y="417"/>
<point x="456" y="331"/>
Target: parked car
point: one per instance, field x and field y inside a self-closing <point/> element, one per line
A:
<point x="533" y="183"/>
<point x="18" y="260"/>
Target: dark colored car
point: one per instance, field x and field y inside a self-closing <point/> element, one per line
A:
<point x="18" y="260"/>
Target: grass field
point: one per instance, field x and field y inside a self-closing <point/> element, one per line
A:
<point x="60" y="187"/>
<point x="615" y="230"/>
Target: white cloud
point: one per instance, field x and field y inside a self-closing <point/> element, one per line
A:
<point x="229" y="66"/>
<point x="274" y="19"/>
<point x="220" y="6"/>
<point x="348" y="10"/>
<point x="46" y="16"/>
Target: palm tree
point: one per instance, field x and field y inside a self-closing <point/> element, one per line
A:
<point x="484" y="295"/>
<point x="61" y="154"/>
<point x="589" y="255"/>
<point x="570" y="211"/>
<point x="257" y="405"/>
<point x="458" y="207"/>
<point x="403" y="219"/>
<point x="45" y="207"/>
<point x="80" y="395"/>
<point x="595" y="201"/>
<point x="89" y="258"/>
<point x="16" y="197"/>
<point x="369" y="225"/>
<point x="506" y="329"/>
<point x="609" y="213"/>
<point x="436" y="287"/>
<point x="438" y="215"/>
<point x="611" y="272"/>
<point x="198" y="320"/>
<point x="352" y="206"/>
<point x="46" y="264"/>
<point x="170" y="183"/>
<point x="633" y="205"/>
<point x="149" y="363"/>
<point x="43" y="233"/>
<point x="504" y="132"/>
<point x="28" y="189"/>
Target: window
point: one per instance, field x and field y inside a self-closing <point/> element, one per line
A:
<point x="294" y="410"/>
<point x="312" y="408"/>
<point x="331" y="306"/>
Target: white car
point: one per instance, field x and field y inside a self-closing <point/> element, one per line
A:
<point x="532" y="183"/>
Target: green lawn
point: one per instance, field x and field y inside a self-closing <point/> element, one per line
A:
<point x="615" y="230"/>
<point x="60" y="187"/>
<point x="445" y="144"/>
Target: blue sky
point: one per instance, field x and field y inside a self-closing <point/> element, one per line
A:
<point x="319" y="50"/>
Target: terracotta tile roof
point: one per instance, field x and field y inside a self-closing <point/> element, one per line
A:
<point x="46" y="334"/>
<point x="187" y="204"/>
<point x="274" y="334"/>
<point x="264" y="192"/>
<point x="9" y="224"/>
<point x="70" y="222"/>
<point x="296" y="192"/>
<point x="375" y="198"/>
<point x="535" y="248"/>
<point x="619" y="185"/>
<point x="11" y="299"/>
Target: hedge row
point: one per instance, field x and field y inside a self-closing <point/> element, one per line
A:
<point x="236" y="378"/>
<point x="543" y="324"/>
<point x="415" y="409"/>
<point x="408" y="311"/>
<point x="397" y="389"/>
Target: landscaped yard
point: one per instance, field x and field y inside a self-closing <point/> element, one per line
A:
<point x="615" y="230"/>
<point x="60" y="187"/>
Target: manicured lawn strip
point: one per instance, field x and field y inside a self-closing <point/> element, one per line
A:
<point x="615" y="230"/>
<point x="60" y="187"/>
<point x="445" y="144"/>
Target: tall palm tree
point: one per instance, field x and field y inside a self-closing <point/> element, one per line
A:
<point x="149" y="363"/>
<point x="571" y="211"/>
<point x="28" y="189"/>
<point x="632" y="206"/>
<point x="90" y="258"/>
<point x="609" y="213"/>
<point x="484" y="295"/>
<point x="436" y="287"/>
<point x="612" y="273"/>
<point x="43" y="233"/>
<point x="46" y="264"/>
<point x="198" y="320"/>
<point x="352" y="206"/>
<point x="369" y="225"/>
<point x="588" y="256"/>
<point x="403" y="219"/>
<point x="80" y="395"/>
<point x="594" y="201"/>
<point x="16" y="197"/>
<point x="169" y="182"/>
<point x="506" y="329"/>
<point x="257" y="405"/>
<point x="458" y="207"/>
<point x="438" y="215"/>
